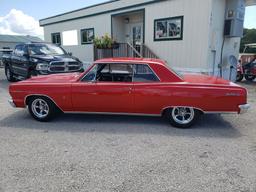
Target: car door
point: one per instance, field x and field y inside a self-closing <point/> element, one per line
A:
<point x="20" y="61"/>
<point x="105" y="88"/>
<point x="147" y="90"/>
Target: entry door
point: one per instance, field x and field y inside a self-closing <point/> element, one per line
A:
<point x="137" y="36"/>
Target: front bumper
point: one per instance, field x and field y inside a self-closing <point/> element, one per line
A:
<point x="12" y="103"/>
<point x="244" y="108"/>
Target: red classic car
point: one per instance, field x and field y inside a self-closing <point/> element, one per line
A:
<point x="129" y="86"/>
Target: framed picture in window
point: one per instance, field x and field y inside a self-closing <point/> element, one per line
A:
<point x="87" y="36"/>
<point x="168" y="29"/>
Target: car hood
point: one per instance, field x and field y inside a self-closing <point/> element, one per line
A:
<point x="64" y="58"/>
<point x="55" y="78"/>
<point x="205" y="79"/>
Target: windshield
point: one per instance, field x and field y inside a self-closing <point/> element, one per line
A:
<point x="45" y="49"/>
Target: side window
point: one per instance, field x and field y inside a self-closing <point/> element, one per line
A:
<point x="19" y="50"/>
<point x="114" y="72"/>
<point x="91" y="75"/>
<point x="87" y="36"/>
<point x="25" y="49"/>
<point x="56" y="39"/>
<point x="143" y="73"/>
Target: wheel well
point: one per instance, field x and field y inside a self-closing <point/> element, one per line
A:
<point x="28" y="99"/>
<point x="168" y="108"/>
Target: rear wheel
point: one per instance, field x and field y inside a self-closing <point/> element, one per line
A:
<point x="239" y="76"/>
<point x="250" y="77"/>
<point x="8" y="73"/>
<point x="182" y="117"/>
<point x="42" y="108"/>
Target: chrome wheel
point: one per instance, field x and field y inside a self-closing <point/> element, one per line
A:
<point x="40" y="108"/>
<point x="183" y="115"/>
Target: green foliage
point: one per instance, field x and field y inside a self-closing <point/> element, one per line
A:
<point x="249" y="37"/>
<point x="104" y="42"/>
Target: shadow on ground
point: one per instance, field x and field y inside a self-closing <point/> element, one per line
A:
<point x="207" y="126"/>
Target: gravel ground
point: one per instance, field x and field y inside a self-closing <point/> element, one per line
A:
<point x="97" y="153"/>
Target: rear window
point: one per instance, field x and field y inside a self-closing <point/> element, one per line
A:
<point x="143" y="73"/>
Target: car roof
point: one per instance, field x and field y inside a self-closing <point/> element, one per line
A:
<point x="132" y="60"/>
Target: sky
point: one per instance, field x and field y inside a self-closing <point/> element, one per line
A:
<point x="20" y="17"/>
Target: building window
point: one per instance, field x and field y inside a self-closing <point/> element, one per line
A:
<point x="87" y="36"/>
<point x="168" y="29"/>
<point x="69" y="38"/>
<point x="56" y="39"/>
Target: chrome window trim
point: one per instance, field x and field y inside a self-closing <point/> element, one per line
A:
<point x="159" y="80"/>
<point x="133" y="64"/>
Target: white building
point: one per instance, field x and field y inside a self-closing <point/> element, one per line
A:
<point x="188" y="34"/>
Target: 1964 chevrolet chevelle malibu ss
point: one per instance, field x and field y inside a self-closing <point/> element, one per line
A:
<point x="129" y="86"/>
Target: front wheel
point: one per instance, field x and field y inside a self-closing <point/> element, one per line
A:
<point x="42" y="108"/>
<point x="250" y="77"/>
<point x="239" y="76"/>
<point x="9" y="75"/>
<point x="182" y="117"/>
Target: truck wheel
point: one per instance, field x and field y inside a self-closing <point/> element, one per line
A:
<point x="9" y="74"/>
<point x="42" y="109"/>
<point x="239" y="77"/>
<point x="250" y="77"/>
<point x="182" y="117"/>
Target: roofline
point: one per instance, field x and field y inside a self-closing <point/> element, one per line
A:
<point x="98" y="13"/>
<point x="84" y="8"/>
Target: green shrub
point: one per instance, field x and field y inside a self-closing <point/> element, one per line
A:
<point x="104" y="42"/>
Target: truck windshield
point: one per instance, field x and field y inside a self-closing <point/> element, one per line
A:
<point x="45" y="49"/>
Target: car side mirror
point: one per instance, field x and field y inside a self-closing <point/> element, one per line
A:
<point x="70" y="54"/>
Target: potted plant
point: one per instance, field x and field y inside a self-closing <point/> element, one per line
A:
<point x="105" y="42"/>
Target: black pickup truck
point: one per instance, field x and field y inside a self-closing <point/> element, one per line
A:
<point x="31" y="59"/>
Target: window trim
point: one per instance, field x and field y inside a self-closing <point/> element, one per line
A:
<point x="57" y="33"/>
<point x="159" y="80"/>
<point x="168" y="38"/>
<point x="133" y="65"/>
<point x="81" y="34"/>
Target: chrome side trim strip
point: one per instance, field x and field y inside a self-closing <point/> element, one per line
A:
<point x="204" y="112"/>
<point x="110" y="113"/>
<point x="42" y="96"/>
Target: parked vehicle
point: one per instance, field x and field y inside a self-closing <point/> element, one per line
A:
<point x="247" y="64"/>
<point x="129" y="86"/>
<point x="247" y="71"/>
<point x="3" y="53"/>
<point x="32" y="59"/>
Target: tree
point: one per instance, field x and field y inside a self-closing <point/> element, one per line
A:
<point x="249" y="37"/>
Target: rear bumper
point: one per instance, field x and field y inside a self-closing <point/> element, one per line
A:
<point x="12" y="103"/>
<point x="244" y="108"/>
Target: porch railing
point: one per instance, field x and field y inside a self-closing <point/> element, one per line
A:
<point x="125" y="50"/>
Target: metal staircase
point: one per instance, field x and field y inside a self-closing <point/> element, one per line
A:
<point x="125" y="50"/>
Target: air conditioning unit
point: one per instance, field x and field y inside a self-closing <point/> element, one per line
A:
<point x="234" y="21"/>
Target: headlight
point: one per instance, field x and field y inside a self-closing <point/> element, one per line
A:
<point x="42" y="67"/>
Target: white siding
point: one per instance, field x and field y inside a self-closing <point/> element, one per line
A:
<point x="94" y="10"/>
<point x="199" y="51"/>
<point x="101" y="25"/>
<point x="189" y="54"/>
<point x="231" y="45"/>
